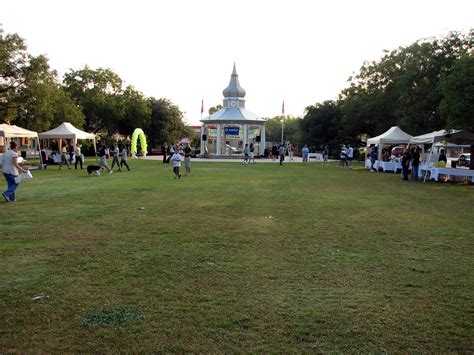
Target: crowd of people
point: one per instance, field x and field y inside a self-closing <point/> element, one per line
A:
<point x="181" y="152"/>
<point x="346" y="156"/>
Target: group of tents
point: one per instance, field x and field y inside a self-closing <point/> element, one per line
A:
<point x="63" y="131"/>
<point x="395" y="135"/>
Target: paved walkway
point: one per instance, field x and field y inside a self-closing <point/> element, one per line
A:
<point x="261" y="160"/>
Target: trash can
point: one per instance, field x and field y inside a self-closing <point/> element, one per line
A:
<point x="23" y="154"/>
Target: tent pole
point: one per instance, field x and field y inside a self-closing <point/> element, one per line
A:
<point x="428" y="163"/>
<point x="39" y="150"/>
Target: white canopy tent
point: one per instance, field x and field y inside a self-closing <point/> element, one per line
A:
<point x="427" y="138"/>
<point x="11" y="131"/>
<point x="394" y="135"/>
<point x="447" y="136"/>
<point x="67" y="131"/>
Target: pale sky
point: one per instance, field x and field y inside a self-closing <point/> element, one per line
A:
<point x="300" y="51"/>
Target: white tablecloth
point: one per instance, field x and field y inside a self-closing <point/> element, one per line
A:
<point x="436" y="172"/>
<point x="317" y="156"/>
<point x="392" y="166"/>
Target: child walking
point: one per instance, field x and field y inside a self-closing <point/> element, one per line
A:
<point x="176" y="159"/>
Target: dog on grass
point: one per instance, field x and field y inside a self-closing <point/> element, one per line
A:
<point x="93" y="169"/>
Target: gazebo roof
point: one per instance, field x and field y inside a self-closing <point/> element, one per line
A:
<point x="234" y="89"/>
<point x="233" y="115"/>
<point x="236" y="113"/>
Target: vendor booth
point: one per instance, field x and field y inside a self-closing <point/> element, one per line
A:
<point x="8" y="132"/>
<point x="394" y="135"/>
<point x="445" y="136"/>
<point x="67" y="131"/>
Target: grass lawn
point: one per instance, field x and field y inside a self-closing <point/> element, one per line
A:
<point x="235" y="258"/>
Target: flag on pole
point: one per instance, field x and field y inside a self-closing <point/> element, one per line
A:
<point x="202" y="106"/>
<point x="283" y="108"/>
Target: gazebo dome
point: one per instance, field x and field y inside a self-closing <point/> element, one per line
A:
<point x="234" y="89"/>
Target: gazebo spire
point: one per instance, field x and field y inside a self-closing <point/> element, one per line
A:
<point x="234" y="89"/>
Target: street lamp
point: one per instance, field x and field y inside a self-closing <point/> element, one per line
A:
<point x="281" y="131"/>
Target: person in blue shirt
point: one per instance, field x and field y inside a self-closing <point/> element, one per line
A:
<point x="305" y="152"/>
<point x="373" y="158"/>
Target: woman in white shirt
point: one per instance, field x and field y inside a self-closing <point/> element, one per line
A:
<point x="10" y="170"/>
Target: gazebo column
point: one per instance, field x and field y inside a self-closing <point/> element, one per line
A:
<point x="202" y="141"/>
<point x="245" y="139"/>
<point x="218" y="140"/>
<point x="262" y="140"/>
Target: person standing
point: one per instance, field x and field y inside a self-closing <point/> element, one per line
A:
<point x="115" y="154"/>
<point x="246" y="154"/>
<point x="282" y="152"/>
<point x="187" y="158"/>
<point x="373" y="158"/>
<point x="342" y="156"/>
<point x="78" y="155"/>
<point x="71" y="152"/>
<point x="349" y="156"/>
<point x="176" y="160"/>
<point x="325" y="154"/>
<point x="291" y="152"/>
<point x="305" y="153"/>
<point x="251" y="153"/>
<point x="171" y="151"/>
<point x="123" y="157"/>
<point x="415" y="163"/>
<point x="10" y="168"/>
<point x="103" y="157"/>
<point x="442" y="156"/>
<point x="274" y="151"/>
<point x="164" y="151"/>
<point x="64" y="159"/>
<point x="405" y="164"/>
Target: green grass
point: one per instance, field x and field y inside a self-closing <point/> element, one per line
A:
<point x="236" y="258"/>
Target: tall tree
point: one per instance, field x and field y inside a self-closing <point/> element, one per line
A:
<point x="98" y="93"/>
<point x="321" y="124"/>
<point x="214" y="109"/>
<point x="457" y="106"/>
<point x="403" y="88"/>
<point x="136" y="111"/>
<point x="30" y="94"/>
<point x="288" y="124"/>
<point x="166" y="122"/>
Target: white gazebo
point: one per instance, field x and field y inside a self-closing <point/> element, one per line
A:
<point x="225" y="132"/>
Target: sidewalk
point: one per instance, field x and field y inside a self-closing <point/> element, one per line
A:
<point x="238" y="160"/>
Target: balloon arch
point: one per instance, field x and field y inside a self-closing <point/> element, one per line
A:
<point x="138" y="134"/>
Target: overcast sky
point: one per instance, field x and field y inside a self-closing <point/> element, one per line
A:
<point x="302" y="51"/>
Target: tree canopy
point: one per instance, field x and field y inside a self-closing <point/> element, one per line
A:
<point x="32" y="96"/>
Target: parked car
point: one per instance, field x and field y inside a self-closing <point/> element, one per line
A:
<point x="464" y="159"/>
<point x="397" y="151"/>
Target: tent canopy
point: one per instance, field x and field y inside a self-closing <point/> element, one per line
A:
<point x="452" y="136"/>
<point x="9" y="131"/>
<point x="393" y="136"/>
<point x="67" y="131"/>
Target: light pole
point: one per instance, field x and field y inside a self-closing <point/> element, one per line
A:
<point x="281" y="131"/>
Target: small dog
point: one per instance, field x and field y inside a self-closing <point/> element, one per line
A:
<point x="93" y="168"/>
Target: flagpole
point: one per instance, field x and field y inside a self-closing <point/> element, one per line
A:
<point x="282" y="119"/>
<point x="201" y="151"/>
